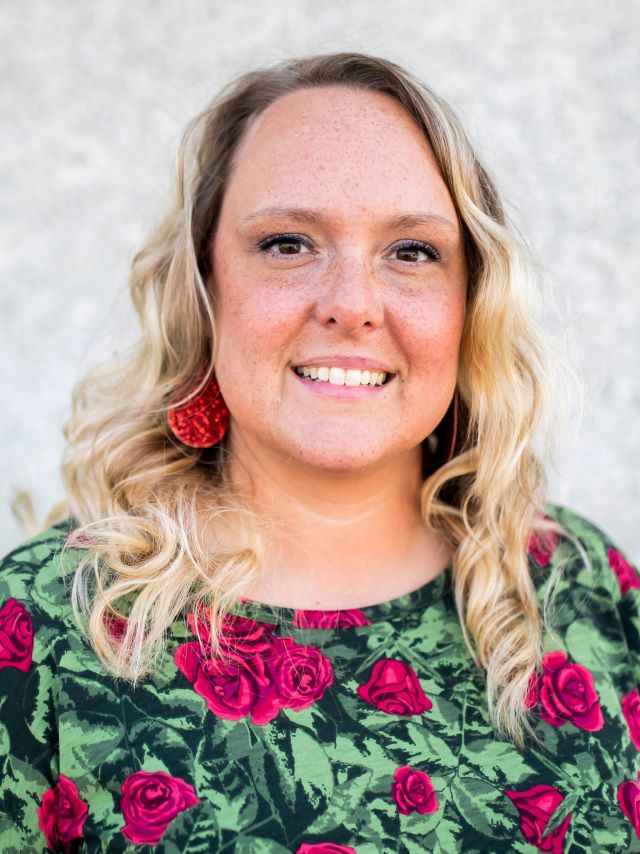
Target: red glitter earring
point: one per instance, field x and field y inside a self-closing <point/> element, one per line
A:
<point x="203" y="420"/>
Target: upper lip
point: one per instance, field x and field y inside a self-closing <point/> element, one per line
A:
<point x="361" y="363"/>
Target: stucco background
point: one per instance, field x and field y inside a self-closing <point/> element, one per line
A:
<point x="94" y="97"/>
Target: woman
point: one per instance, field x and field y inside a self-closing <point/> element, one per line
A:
<point x="300" y="597"/>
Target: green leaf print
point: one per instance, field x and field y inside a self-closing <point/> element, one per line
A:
<point x="428" y="750"/>
<point x="362" y="751"/>
<point x="279" y="750"/>
<point x="76" y="657"/>
<point x="147" y="733"/>
<point x="12" y="841"/>
<point x="186" y="709"/>
<point x="580" y="647"/>
<point x="614" y="837"/>
<point x="105" y="811"/>
<point x="344" y="803"/>
<point x="583" y="772"/>
<point x="408" y="845"/>
<point x="445" y="838"/>
<point x="496" y="761"/>
<point x="23" y="778"/>
<point x="378" y="822"/>
<point x="92" y="740"/>
<point x="420" y="824"/>
<point x="255" y="845"/>
<point x="567" y="806"/>
<point x="39" y="717"/>
<point x="444" y="714"/>
<point x="234" y="791"/>
<point x="241" y="811"/>
<point x="311" y="768"/>
<point x="238" y="739"/>
<point x="5" y="743"/>
<point x="193" y="831"/>
<point x="482" y="805"/>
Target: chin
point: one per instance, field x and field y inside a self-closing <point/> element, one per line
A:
<point x="339" y="457"/>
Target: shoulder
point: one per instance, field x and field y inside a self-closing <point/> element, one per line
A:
<point x="34" y="587"/>
<point x="583" y="556"/>
<point x="597" y="543"/>
<point x="589" y="592"/>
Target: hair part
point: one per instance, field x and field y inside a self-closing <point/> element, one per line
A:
<point x="144" y="502"/>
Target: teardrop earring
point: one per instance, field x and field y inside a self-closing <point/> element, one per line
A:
<point x="201" y="421"/>
<point x="443" y="442"/>
<point x="453" y="434"/>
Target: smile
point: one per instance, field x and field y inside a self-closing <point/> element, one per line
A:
<point x="342" y="376"/>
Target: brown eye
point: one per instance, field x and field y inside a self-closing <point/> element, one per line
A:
<point x="287" y="244"/>
<point x="411" y="250"/>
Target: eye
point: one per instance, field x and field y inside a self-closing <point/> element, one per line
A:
<point x="287" y="244"/>
<point x="409" y="251"/>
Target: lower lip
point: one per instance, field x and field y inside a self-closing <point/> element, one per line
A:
<point x="345" y="392"/>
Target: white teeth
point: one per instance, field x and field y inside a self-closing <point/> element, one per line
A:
<point x="340" y="376"/>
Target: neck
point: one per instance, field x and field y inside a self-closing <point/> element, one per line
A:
<point x="340" y="539"/>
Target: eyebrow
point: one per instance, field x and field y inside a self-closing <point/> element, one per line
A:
<point x="315" y="217"/>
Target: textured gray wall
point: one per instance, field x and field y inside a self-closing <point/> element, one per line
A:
<point x="94" y="97"/>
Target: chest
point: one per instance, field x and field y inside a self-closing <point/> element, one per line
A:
<point x="373" y="739"/>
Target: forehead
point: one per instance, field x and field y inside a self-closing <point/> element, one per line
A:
<point x="340" y="144"/>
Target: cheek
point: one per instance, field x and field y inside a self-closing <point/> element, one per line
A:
<point x="432" y="332"/>
<point x="254" y="326"/>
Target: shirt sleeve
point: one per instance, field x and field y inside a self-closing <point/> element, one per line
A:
<point x="611" y="581"/>
<point x="29" y="585"/>
<point x="628" y="596"/>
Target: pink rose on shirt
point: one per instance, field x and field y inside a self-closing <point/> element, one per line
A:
<point x="149" y="803"/>
<point x="231" y="689"/>
<point x="629" y="802"/>
<point x="536" y="806"/>
<point x="260" y="676"/>
<point x="567" y="693"/>
<point x="413" y="791"/>
<point x="299" y="677"/>
<point x="116" y="626"/>
<point x="62" y="815"/>
<point x="239" y="636"/>
<point x="16" y="636"/>
<point x="533" y="691"/>
<point x="542" y="545"/>
<point x="394" y="688"/>
<point x="625" y="573"/>
<point x="330" y="619"/>
<point x="75" y="540"/>
<point x="631" y="710"/>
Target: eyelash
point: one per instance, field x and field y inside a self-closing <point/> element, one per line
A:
<point x="416" y="245"/>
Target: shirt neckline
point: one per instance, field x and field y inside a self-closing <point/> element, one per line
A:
<point x="416" y="600"/>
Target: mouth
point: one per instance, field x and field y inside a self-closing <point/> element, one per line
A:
<point x="343" y="376"/>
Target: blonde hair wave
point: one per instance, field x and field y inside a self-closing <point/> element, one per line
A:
<point x="143" y="502"/>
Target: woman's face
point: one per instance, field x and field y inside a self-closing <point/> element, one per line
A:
<point x="337" y="247"/>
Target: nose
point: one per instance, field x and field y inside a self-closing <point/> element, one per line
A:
<point x="350" y="297"/>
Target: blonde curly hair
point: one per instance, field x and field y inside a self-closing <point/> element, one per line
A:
<point x="142" y="501"/>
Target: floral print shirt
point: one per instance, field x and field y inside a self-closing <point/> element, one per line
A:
<point x="323" y="732"/>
